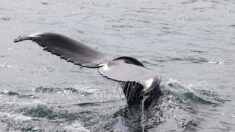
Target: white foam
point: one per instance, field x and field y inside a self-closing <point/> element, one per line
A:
<point x="120" y="125"/>
<point x="76" y="127"/>
<point x="232" y="115"/>
<point x="215" y="62"/>
<point x="15" y="116"/>
<point x="6" y="66"/>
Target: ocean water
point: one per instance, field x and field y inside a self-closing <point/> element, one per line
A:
<point x="189" y="43"/>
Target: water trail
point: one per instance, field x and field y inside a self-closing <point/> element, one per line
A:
<point x="142" y="112"/>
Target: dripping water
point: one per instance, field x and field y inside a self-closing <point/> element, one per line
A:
<point x="142" y="113"/>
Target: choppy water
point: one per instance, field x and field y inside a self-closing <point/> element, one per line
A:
<point x="190" y="43"/>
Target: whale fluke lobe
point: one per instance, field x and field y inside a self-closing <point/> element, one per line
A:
<point x="138" y="81"/>
<point x="119" y="70"/>
<point x="67" y="49"/>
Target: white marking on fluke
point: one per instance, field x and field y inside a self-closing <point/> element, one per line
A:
<point x="149" y="82"/>
<point x="105" y="66"/>
<point x="35" y="34"/>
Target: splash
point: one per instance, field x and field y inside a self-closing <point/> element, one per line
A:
<point x="194" y="92"/>
<point x="76" y="126"/>
<point x="120" y="125"/>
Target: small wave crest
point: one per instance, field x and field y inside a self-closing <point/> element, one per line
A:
<point x="19" y="95"/>
<point x="3" y="65"/>
<point x="63" y="90"/>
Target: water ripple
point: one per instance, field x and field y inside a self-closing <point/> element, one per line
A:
<point x="198" y="60"/>
<point x="44" y="111"/>
<point x="5" y="18"/>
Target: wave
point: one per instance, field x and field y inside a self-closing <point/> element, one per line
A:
<point x="19" y="95"/>
<point x="63" y="90"/>
<point x="195" y="95"/>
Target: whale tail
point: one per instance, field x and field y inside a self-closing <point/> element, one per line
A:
<point x="139" y="81"/>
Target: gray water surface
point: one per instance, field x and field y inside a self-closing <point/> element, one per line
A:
<point x="189" y="43"/>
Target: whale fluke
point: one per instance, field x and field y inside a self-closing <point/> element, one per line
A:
<point x="67" y="48"/>
<point x="138" y="81"/>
